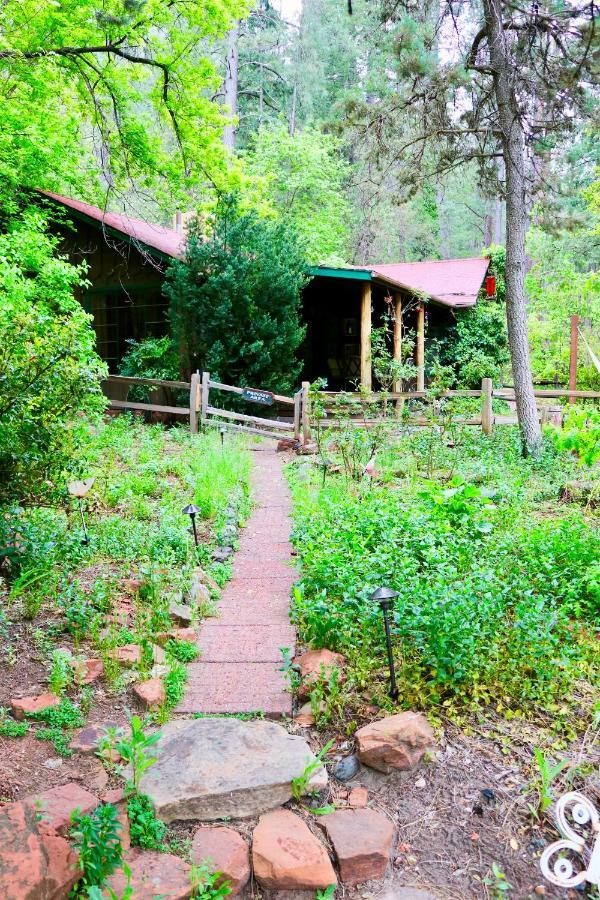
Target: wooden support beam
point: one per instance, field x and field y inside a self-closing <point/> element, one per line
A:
<point x="365" y="338"/>
<point x="573" y="357"/>
<point x="487" y="418"/>
<point x="420" y="348"/>
<point x="305" y="412"/>
<point x="194" y="402"/>
<point x="397" y="346"/>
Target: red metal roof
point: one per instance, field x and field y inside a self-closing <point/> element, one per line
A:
<point x="451" y="282"/>
<point x="156" y="237"/>
<point x="454" y="282"/>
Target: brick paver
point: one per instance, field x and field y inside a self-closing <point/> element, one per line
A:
<point x="240" y="662"/>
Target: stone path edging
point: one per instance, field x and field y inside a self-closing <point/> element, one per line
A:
<point x="240" y="662"/>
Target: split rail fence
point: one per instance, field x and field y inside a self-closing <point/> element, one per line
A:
<point x="297" y="420"/>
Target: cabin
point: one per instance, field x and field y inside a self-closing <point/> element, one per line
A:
<point x="127" y="259"/>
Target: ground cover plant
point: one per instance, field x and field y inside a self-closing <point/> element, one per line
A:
<point x="66" y="602"/>
<point x="497" y="582"/>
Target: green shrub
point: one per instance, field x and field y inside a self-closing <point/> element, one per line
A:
<point x="146" y="830"/>
<point x="97" y="841"/>
<point x="49" y="372"/>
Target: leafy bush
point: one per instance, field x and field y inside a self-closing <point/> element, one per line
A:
<point x="97" y="841"/>
<point x="580" y="435"/>
<point x="485" y="594"/>
<point x="146" y="830"/>
<point x="235" y="299"/>
<point x="49" y="371"/>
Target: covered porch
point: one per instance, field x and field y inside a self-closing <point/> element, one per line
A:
<point x="341" y="306"/>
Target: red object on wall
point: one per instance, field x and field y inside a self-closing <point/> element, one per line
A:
<point x="490" y="285"/>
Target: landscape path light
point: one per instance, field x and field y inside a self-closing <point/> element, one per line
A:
<point x="192" y="511"/>
<point x="79" y="489"/>
<point x="385" y="597"/>
<point x="222" y="431"/>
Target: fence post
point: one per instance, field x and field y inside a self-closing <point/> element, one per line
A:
<point x="297" y="413"/>
<point x="487" y="418"/>
<point x="194" y="388"/>
<point x="204" y="396"/>
<point x="305" y="411"/>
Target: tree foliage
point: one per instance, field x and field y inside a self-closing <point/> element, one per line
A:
<point x="109" y="96"/>
<point x="49" y="371"/>
<point x="305" y="177"/>
<point x="235" y="299"/>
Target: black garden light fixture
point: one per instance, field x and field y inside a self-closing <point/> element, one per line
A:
<point x="222" y="431"/>
<point x="385" y="597"/>
<point x="192" y="511"/>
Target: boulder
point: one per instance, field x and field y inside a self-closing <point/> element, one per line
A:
<point x="153" y="875"/>
<point x="286" y="854"/>
<point x="314" y="664"/>
<point x="181" y="613"/>
<point x="54" y="806"/>
<point x="25" y="705"/>
<point x="176" y="634"/>
<point x="362" y="840"/>
<point x="213" y="768"/>
<point x="150" y="692"/>
<point x="394" y="743"/>
<point x="35" y="862"/>
<point x="227" y="851"/>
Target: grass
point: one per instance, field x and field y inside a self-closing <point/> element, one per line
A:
<point x="497" y="582"/>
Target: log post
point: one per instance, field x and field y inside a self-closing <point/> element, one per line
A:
<point x="487" y="419"/>
<point x="397" y="347"/>
<point x="305" y="412"/>
<point x="420" y="348"/>
<point x="573" y="357"/>
<point x="365" y="338"/>
<point x="204" y="396"/>
<point x="194" y="391"/>
<point x="297" y="414"/>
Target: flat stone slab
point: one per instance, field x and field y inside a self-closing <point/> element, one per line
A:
<point x="211" y="769"/>
<point x="236" y="688"/>
<point x="257" y="568"/>
<point x="240" y="643"/>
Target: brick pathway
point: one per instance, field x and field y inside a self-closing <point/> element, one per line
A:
<point x="240" y="651"/>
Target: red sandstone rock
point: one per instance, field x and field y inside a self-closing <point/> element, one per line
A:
<point x="150" y="692"/>
<point x="93" y="669"/>
<point x="56" y="805"/>
<point x="357" y="798"/>
<point x="316" y="663"/>
<point x="114" y="796"/>
<point x="396" y="742"/>
<point x="228" y="852"/>
<point x="177" y="634"/>
<point x="154" y="875"/>
<point x="362" y="840"/>
<point x="130" y="655"/>
<point x="24" y="705"/>
<point x="35" y="862"/>
<point x="287" y="855"/>
<point x="88" y="739"/>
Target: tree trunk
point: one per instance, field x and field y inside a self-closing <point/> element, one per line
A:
<point x="230" y="85"/>
<point x="513" y="143"/>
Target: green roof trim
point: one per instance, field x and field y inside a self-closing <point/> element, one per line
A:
<point x="327" y="272"/>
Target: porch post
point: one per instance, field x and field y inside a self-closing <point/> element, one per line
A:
<point x="420" y="360"/>
<point x="365" y="338"/>
<point x="397" y="348"/>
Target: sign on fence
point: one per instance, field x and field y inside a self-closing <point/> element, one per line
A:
<point x="253" y="395"/>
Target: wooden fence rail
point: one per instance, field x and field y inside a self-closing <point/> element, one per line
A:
<point x="301" y="419"/>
